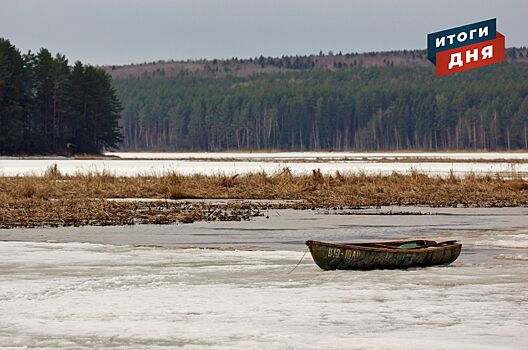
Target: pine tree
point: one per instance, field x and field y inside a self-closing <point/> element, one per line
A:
<point x="47" y="106"/>
<point x="11" y="99"/>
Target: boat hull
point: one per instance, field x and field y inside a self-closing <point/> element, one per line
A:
<point x="330" y="256"/>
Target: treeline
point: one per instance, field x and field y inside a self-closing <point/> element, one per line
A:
<point x="362" y="108"/>
<point x="47" y="106"/>
<point x="243" y="67"/>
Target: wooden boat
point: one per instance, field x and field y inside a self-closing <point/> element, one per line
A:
<point x="383" y="255"/>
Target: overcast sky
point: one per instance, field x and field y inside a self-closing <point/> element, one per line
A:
<point x="125" y="31"/>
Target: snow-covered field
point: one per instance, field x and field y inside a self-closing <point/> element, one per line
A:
<point x="118" y="295"/>
<point x="298" y="162"/>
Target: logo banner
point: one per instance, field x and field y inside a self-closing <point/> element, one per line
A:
<point x="466" y="47"/>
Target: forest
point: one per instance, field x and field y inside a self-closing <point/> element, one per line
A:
<point x="385" y="106"/>
<point x="372" y="101"/>
<point x="50" y="107"/>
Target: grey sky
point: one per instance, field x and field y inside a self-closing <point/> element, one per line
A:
<point x="125" y="31"/>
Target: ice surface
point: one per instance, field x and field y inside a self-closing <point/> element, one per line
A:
<point x="74" y="295"/>
<point x="15" y="166"/>
<point x="93" y="296"/>
<point x="512" y="257"/>
<point x="288" y="229"/>
<point x="504" y="240"/>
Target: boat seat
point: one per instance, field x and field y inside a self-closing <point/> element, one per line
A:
<point x="408" y="245"/>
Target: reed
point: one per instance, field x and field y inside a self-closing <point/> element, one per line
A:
<point x="82" y="199"/>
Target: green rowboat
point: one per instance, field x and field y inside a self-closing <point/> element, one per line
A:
<point x="383" y="255"/>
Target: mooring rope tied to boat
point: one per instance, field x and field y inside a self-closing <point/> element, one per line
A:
<point x="306" y="251"/>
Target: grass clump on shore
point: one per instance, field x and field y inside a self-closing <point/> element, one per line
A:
<point x="58" y="200"/>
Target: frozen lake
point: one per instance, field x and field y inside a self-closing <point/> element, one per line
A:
<point x="130" y="164"/>
<point x="133" y="287"/>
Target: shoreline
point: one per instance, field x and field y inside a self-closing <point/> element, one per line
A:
<point x="518" y="155"/>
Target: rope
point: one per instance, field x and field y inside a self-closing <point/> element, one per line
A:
<point x="307" y="248"/>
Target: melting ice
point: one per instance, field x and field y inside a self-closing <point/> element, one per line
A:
<point x="94" y="296"/>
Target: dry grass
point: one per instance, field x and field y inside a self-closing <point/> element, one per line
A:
<point x="54" y="199"/>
